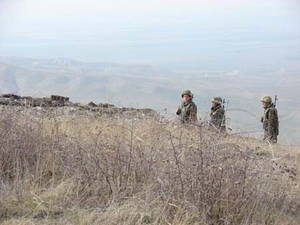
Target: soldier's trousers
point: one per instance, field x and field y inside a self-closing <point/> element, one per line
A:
<point x="270" y="137"/>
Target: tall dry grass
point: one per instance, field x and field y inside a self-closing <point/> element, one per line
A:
<point x="88" y="168"/>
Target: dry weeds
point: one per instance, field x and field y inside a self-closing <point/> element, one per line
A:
<point x="59" y="167"/>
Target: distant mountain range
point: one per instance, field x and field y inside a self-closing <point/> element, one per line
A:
<point x="151" y="87"/>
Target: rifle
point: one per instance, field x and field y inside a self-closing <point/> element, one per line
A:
<point x="225" y="110"/>
<point x="223" y="102"/>
<point x="275" y="100"/>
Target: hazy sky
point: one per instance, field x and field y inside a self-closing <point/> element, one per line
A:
<point x="253" y="43"/>
<point x="188" y="34"/>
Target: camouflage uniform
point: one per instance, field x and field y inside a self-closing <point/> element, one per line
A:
<point x="187" y="110"/>
<point x="270" y="121"/>
<point x="217" y="115"/>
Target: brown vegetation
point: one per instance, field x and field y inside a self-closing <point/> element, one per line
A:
<point x="93" y="168"/>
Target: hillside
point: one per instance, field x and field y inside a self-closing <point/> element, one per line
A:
<point x="144" y="86"/>
<point x="71" y="165"/>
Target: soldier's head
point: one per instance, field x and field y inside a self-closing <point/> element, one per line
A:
<point x="187" y="95"/>
<point x="215" y="101"/>
<point x="266" y="101"/>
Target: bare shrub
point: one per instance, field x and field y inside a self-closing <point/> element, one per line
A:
<point x="124" y="169"/>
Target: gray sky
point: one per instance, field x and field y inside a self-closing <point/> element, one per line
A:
<point x="160" y="32"/>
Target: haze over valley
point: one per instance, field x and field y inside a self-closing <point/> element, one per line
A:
<point x="152" y="87"/>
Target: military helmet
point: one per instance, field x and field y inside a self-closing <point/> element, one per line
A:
<point x="217" y="100"/>
<point x="266" y="99"/>
<point x="187" y="92"/>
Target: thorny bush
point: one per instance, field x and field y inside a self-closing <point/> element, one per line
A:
<point x="111" y="160"/>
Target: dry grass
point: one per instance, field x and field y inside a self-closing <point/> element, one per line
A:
<point x="87" y="168"/>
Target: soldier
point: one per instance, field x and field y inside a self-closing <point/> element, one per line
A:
<point x="217" y="114"/>
<point x="188" y="109"/>
<point x="270" y="120"/>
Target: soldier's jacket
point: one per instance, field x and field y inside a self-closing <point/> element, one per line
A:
<point x="187" y="112"/>
<point x="270" y="122"/>
<point x="217" y="117"/>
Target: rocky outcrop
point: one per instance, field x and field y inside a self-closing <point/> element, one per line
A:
<point x="56" y="101"/>
<point x="16" y="100"/>
<point x="59" y="98"/>
<point x="92" y="104"/>
<point x="11" y="96"/>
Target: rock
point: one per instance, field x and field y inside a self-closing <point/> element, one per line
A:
<point x="11" y="96"/>
<point x="15" y="103"/>
<point x="71" y="104"/>
<point x="27" y="97"/>
<point x="42" y="102"/>
<point x="4" y="101"/>
<point x="92" y="104"/>
<point x="61" y="99"/>
<point x="106" y="105"/>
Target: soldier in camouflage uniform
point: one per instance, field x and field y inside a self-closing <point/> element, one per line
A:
<point x="270" y="120"/>
<point x="188" y="109"/>
<point x="217" y="115"/>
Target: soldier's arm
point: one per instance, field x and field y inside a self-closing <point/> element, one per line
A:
<point x="178" y="111"/>
<point x="273" y="120"/>
<point x="212" y="119"/>
<point x="193" y="113"/>
<point x="219" y="117"/>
